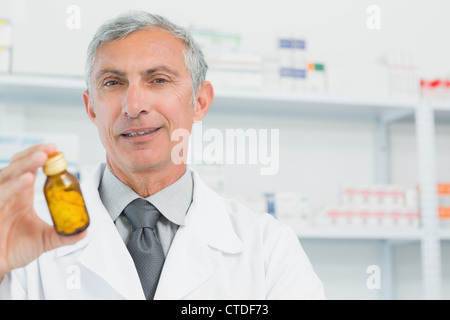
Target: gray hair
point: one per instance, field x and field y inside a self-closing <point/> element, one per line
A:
<point x="133" y="21"/>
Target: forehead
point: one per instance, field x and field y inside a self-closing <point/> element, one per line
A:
<point x="143" y="48"/>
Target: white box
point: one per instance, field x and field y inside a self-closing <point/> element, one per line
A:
<point x="292" y="206"/>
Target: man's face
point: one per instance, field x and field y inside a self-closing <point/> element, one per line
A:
<point x="140" y="94"/>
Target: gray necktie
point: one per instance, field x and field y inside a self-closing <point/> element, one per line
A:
<point x="144" y="246"/>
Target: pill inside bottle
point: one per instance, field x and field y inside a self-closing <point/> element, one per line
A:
<point x="64" y="197"/>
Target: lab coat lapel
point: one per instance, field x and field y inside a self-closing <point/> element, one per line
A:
<point x="196" y="251"/>
<point x="103" y="250"/>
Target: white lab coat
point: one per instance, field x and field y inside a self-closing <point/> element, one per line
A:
<point x="224" y="251"/>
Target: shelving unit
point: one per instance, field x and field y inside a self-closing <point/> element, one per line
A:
<point x="31" y="91"/>
<point x="53" y="90"/>
<point x="348" y="233"/>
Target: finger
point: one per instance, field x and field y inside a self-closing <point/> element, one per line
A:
<point x="12" y="188"/>
<point x="16" y="195"/>
<point x="28" y="160"/>
<point x="15" y="169"/>
<point x="48" y="148"/>
<point x="33" y="156"/>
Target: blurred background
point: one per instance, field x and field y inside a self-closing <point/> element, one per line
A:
<point x="348" y="103"/>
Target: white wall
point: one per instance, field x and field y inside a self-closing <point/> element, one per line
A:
<point x="336" y="32"/>
<point x="317" y="155"/>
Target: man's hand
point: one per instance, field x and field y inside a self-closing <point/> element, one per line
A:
<point x="23" y="235"/>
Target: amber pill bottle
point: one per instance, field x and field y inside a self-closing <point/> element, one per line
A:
<point x="64" y="198"/>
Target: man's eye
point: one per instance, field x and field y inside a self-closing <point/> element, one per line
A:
<point x="160" y="80"/>
<point x="111" y="83"/>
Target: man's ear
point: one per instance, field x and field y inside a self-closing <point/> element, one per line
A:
<point x="203" y="100"/>
<point x="89" y="106"/>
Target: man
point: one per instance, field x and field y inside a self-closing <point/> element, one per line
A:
<point x="146" y="83"/>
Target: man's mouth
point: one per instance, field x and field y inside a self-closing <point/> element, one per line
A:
<point x="138" y="132"/>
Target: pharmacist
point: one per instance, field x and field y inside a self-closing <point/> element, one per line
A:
<point x="146" y="79"/>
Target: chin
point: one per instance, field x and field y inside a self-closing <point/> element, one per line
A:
<point x="144" y="160"/>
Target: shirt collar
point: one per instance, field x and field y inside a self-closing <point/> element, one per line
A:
<point x="173" y="202"/>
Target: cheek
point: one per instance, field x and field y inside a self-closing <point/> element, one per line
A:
<point x="171" y="111"/>
<point x="179" y="120"/>
<point x="181" y="109"/>
<point x="105" y="121"/>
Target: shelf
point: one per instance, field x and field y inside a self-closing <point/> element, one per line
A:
<point x="358" y="233"/>
<point x="444" y="234"/>
<point x="366" y="233"/>
<point x="308" y="104"/>
<point x="42" y="81"/>
<point x="36" y="90"/>
<point x="441" y="104"/>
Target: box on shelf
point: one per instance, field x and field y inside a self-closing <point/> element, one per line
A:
<point x="236" y="71"/>
<point x="216" y="42"/>
<point x="443" y="191"/>
<point x="368" y="216"/>
<point x="372" y="206"/>
<point x="316" y="77"/>
<point x="435" y="89"/>
<point x="292" y="208"/>
<point x="292" y="61"/>
<point x="402" y="74"/>
<point x="379" y="195"/>
<point x="228" y="66"/>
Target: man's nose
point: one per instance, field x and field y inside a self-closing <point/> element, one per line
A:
<point x="135" y="102"/>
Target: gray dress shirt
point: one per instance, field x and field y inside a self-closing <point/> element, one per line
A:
<point x="173" y="202"/>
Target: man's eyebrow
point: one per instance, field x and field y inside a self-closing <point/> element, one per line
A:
<point x="160" y="68"/>
<point x="146" y="72"/>
<point x="105" y="71"/>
